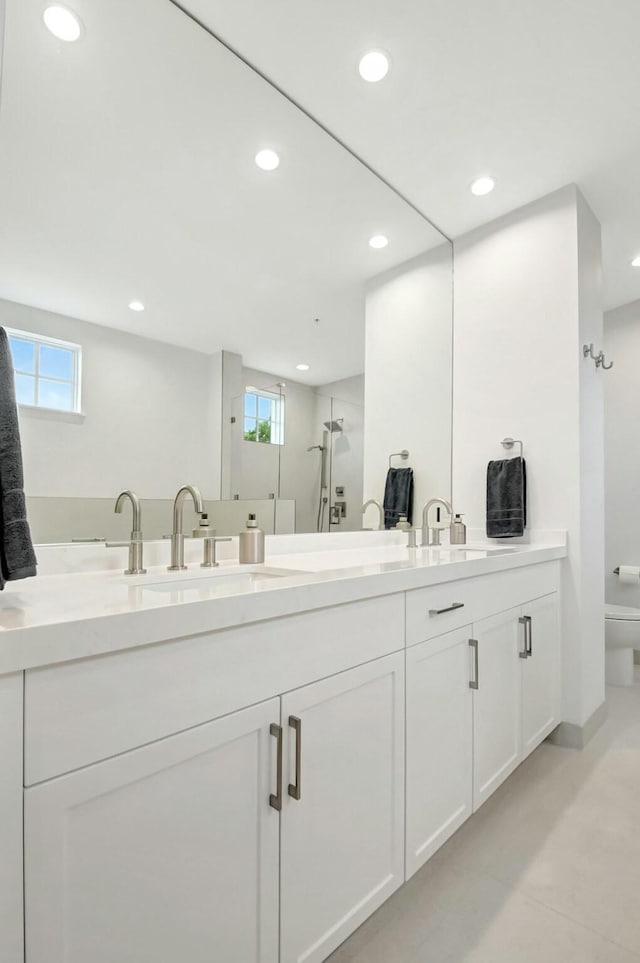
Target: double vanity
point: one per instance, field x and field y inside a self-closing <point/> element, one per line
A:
<point x="243" y="765"/>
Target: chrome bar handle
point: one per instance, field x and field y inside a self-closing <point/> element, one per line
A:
<point x="295" y="788"/>
<point x="528" y="636"/>
<point x="449" y="608"/>
<point x="473" y="684"/>
<point x="275" y="799"/>
<point x="525" y="620"/>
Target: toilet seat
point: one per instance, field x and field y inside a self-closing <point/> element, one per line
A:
<point x="622" y="613"/>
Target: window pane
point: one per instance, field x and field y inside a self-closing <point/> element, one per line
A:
<point x="55" y="394"/>
<point x="250" y="429"/>
<point x="25" y="389"/>
<point x="264" y="407"/>
<point x="24" y="355"/>
<point x="56" y="362"/>
<point x="264" y="431"/>
<point x="250" y="405"/>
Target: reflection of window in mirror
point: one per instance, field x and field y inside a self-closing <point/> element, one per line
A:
<point x="264" y="417"/>
<point x="47" y="371"/>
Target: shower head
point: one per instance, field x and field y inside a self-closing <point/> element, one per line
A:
<point x="333" y="425"/>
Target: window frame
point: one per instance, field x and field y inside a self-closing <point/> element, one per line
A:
<point x="41" y="340"/>
<point x="276" y="425"/>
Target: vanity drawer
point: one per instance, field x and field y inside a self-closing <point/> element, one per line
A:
<point x="442" y="608"/>
<point x="81" y="712"/>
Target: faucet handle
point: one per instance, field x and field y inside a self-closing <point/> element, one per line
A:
<point x="209" y="559"/>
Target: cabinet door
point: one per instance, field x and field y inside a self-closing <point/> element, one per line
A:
<point x="342" y="846"/>
<point x="439" y="743"/>
<point x="541" y="672"/>
<point x="497" y="712"/>
<point x="166" y="853"/>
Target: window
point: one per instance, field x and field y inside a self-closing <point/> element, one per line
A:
<point x="47" y="371"/>
<point x="264" y="417"/>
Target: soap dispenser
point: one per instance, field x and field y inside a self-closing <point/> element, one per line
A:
<point x="458" y="531"/>
<point x="252" y="543"/>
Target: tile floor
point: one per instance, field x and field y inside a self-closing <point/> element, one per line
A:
<point x="548" y="870"/>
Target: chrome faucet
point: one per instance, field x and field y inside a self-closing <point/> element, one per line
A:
<point x="372" y="501"/>
<point x="135" y="545"/>
<point x="177" y="536"/>
<point x="431" y="536"/>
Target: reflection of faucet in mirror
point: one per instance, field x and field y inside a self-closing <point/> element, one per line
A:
<point x="431" y="536"/>
<point x="372" y="501"/>
<point x="177" y="536"/>
<point x="135" y="545"/>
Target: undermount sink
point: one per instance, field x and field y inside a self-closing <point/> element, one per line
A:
<point x="173" y="582"/>
<point x="463" y="550"/>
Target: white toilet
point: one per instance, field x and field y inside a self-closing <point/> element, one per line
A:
<point x="622" y="636"/>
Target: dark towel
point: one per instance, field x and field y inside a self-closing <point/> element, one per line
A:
<point x="398" y="496"/>
<point x="17" y="557"/>
<point x="506" y="498"/>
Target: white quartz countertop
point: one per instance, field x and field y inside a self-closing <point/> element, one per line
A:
<point x="56" y="618"/>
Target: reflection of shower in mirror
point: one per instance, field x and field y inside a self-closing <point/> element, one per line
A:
<point x="323" y="498"/>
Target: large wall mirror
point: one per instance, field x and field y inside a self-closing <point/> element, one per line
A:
<point x="178" y="313"/>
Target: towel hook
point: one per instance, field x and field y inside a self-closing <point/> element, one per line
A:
<point x="600" y="362"/>
<point x="587" y="350"/>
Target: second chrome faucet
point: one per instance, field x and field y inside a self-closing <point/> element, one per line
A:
<point x="177" y="535"/>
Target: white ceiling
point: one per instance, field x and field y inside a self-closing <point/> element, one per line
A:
<point x="127" y="172"/>
<point x="537" y="93"/>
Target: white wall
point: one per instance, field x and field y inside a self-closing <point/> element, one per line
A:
<point x="408" y="375"/>
<point x="147" y="411"/>
<point x="527" y="295"/>
<point x="347" y="389"/>
<point x="622" y="449"/>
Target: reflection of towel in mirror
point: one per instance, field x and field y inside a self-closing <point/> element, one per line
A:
<point x="506" y="498"/>
<point x="398" y="496"/>
<point x="17" y="557"/>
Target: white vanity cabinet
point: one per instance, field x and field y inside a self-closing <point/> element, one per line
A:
<point x="252" y="795"/>
<point x="168" y="852"/>
<point x="342" y="841"/>
<point x="191" y="846"/>
<point x="479" y="700"/>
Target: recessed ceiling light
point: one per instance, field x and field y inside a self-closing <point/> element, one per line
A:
<point x="63" y="23"/>
<point x="483" y="185"/>
<point x="636" y="261"/>
<point x="374" y="66"/>
<point x="267" y="160"/>
<point x="378" y="241"/>
<point x="136" y="306"/>
<point x="302" y="367"/>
